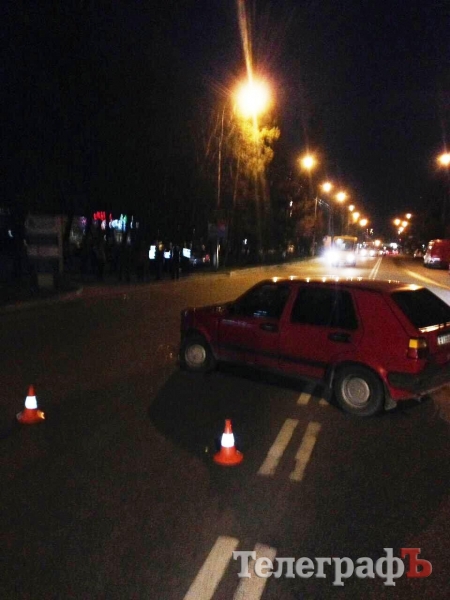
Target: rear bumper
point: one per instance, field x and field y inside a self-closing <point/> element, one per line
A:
<point x="431" y="378"/>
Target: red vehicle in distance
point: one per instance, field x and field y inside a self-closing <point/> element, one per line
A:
<point x="437" y="254"/>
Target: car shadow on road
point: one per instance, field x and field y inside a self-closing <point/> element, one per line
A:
<point x="371" y="483"/>
<point x="191" y="408"/>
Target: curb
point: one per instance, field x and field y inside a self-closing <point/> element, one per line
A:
<point x="84" y="290"/>
<point x="38" y="302"/>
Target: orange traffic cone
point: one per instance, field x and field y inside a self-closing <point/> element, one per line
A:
<point x="30" y="413"/>
<point x="228" y="456"/>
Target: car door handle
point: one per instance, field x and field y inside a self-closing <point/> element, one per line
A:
<point x="339" y="337"/>
<point x="272" y="327"/>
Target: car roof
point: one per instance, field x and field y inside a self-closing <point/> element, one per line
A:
<point x="374" y="285"/>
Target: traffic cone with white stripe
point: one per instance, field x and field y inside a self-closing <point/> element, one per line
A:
<point x="30" y="413"/>
<point x="228" y="456"/>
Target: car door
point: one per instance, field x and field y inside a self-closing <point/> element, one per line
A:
<point x="322" y="327"/>
<point x="249" y="333"/>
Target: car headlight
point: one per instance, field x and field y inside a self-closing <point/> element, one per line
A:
<point x="331" y="256"/>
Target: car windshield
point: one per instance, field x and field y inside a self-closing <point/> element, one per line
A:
<point x="422" y="307"/>
<point x="345" y="245"/>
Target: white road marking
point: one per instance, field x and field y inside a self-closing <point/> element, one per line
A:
<point x="425" y="280"/>
<point x="251" y="588"/>
<point x="307" y="395"/>
<point x="304" y="452"/>
<point x="209" y="576"/>
<point x="279" y="446"/>
<point x="374" y="271"/>
<point x="303" y="399"/>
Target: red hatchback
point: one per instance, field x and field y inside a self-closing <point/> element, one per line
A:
<point x="372" y="342"/>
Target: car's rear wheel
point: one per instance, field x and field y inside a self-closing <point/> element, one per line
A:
<point x="358" y="391"/>
<point x="196" y="355"/>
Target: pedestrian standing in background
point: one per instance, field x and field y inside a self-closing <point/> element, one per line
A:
<point x="100" y="255"/>
<point x="159" y="258"/>
<point x="175" y="262"/>
<point x="142" y="249"/>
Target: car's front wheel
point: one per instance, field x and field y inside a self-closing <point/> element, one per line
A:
<point x="196" y="355"/>
<point x="358" y="391"/>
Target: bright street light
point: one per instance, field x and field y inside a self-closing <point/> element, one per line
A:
<point x="327" y="187"/>
<point x="444" y="159"/>
<point x="341" y="197"/>
<point x="308" y="162"/>
<point x="253" y="98"/>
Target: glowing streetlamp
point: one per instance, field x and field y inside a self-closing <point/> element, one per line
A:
<point x="444" y="159"/>
<point x="352" y="216"/>
<point x="308" y="162"/>
<point x="341" y="198"/>
<point x="253" y="98"/>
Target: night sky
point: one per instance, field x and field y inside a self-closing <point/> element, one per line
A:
<point x="96" y="96"/>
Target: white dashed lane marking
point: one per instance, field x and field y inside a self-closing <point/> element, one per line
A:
<point x="213" y="569"/>
<point x="209" y="576"/>
<point x="304" y="452"/>
<point x="306" y="396"/>
<point x="282" y="440"/>
<point x="251" y="588"/>
<point x="278" y="447"/>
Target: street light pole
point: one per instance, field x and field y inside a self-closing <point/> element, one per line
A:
<point x="444" y="161"/>
<point x="313" y="250"/>
<point x="219" y="192"/>
<point x="219" y="160"/>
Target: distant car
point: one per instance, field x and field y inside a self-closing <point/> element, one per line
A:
<point x="199" y="258"/>
<point x="418" y="253"/>
<point x="342" y="251"/>
<point x="372" y="342"/>
<point x="437" y="254"/>
<point x="391" y="251"/>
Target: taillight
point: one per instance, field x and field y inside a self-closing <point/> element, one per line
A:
<point x="417" y="348"/>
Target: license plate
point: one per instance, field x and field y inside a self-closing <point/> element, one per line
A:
<point x="443" y="339"/>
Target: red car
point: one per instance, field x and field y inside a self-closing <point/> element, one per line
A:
<point x="372" y="342"/>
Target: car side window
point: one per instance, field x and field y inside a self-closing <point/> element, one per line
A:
<point x="324" y="307"/>
<point x="267" y="300"/>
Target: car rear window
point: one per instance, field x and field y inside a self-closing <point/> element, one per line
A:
<point x="422" y="307"/>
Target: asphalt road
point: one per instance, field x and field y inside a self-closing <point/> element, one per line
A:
<point x="116" y="495"/>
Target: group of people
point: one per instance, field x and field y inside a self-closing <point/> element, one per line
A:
<point x="170" y="258"/>
<point x="129" y="259"/>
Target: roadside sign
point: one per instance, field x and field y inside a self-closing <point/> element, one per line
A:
<point x="44" y="234"/>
